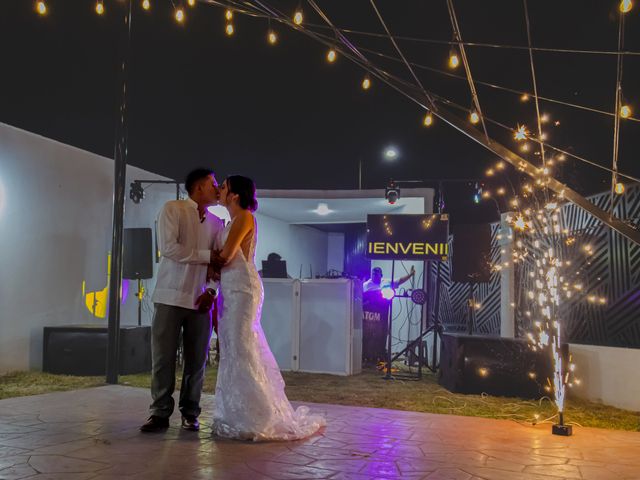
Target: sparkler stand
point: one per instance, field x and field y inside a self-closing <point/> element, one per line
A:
<point x="560" y="428"/>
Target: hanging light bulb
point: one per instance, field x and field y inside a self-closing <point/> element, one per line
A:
<point x="474" y="117"/>
<point x="179" y="15"/>
<point x="191" y="3"/>
<point x="229" y="30"/>
<point x="625" y="6"/>
<point x="99" y="7"/>
<point x="366" y="83"/>
<point x="41" y="7"/>
<point x="428" y="120"/>
<point x="272" y="37"/>
<point x="297" y="17"/>
<point x="228" y="15"/>
<point x="146" y="4"/>
<point x="331" y="55"/>
<point x="619" y="188"/>
<point x="625" y="111"/>
<point x="454" y="61"/>
<point x="524" y="97"/>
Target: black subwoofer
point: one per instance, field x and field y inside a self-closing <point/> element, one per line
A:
<point x="82" y="349"/>
<point x="493" y="365"/>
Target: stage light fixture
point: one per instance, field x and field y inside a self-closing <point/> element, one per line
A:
<point x="392" y="193"/>
<point x="388" y="293"/>
<point x="136" y="194"/>
<point x="419" y="297"/>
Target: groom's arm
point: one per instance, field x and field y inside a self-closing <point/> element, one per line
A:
<point x="170" y="247"/>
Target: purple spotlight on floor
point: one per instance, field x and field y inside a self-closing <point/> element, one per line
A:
<point x="388" y="293"/>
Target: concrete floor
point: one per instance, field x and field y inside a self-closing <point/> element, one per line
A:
<point x="93" y="434"/>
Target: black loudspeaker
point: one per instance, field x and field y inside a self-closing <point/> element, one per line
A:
<point x="137" y="260"/>
<point x="82" y="350"/>
<point x="494" y="365"/>
<point x="471" y="256"/>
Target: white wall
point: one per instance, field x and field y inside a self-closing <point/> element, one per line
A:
<point x="55" y="224"/>
<point x="609" y="375"/>
<point x="335" y="251"/>
<point x="298" y="245"/>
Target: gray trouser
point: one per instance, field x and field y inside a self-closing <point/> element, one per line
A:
<point x="165" y="333"/>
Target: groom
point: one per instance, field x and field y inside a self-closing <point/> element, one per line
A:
<point x="183" y="301"/>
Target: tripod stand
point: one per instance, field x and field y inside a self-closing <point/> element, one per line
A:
<point x="435" y="328"/>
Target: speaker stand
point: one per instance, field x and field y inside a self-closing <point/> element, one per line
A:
<point x="139" y="296"/>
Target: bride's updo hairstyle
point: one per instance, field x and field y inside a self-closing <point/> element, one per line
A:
<point x="245" y="189"/>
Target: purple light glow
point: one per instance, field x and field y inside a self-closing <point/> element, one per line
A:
<point x="388" y="293"/>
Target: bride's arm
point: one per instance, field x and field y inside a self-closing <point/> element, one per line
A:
<point x="242" y="226"/>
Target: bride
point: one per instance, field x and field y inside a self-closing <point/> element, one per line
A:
<point x="250" y="403"/>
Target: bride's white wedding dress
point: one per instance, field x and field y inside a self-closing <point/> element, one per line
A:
<point x="250" y="403"/>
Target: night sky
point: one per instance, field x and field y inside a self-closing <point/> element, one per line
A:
<point x="284" y="116"/>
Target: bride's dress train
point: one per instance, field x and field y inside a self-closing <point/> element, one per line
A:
<point x="250" y="403"/>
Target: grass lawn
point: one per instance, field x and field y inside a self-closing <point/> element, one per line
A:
<point x="366" y="390"/>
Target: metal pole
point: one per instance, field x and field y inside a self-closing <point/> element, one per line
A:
<point x="119" y="183"/>
<point x="423" y="315"/>
<point x="390" y="323"/>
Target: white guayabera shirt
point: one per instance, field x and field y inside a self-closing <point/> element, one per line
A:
<point x="185" y="243"/>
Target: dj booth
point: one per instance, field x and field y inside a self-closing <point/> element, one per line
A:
<point x="314" y="325"/>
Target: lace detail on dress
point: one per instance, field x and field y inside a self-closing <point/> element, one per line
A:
<point x="250" y="403"/>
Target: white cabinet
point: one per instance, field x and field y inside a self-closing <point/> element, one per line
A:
<point x="314" y="325"/>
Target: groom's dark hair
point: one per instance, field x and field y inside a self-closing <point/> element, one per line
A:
<point x="194" y="177"/>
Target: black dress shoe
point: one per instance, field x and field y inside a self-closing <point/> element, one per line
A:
<point x="190" y="422"/>
<point x="155" y="424"/>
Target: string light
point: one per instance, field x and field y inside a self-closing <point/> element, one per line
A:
<point x="229" y="29"/>
<point x="179" y="15"/>
<point x="474" y="117"/>
<point x="146" y="4"/>
<point x="331" y="55"/>
<point x="544" y="118"/>
<point x="525" y="147"/>
<point x="272" y="37"/>
<point x="619" y="188"/>
<point x="428" y="120"/>
<point x="625" y="6"/>
<point x="454" y="61"/>
<point x="99" y="7"/>
<point x="297" y="17"/>
<point x="521" y="133"/>
<point x="490" y="172"/>
<point x="625" y="111"/>
<point x="191" y="3"/>
<point x="41" y="7"/>
<point x="228" y="15"/>
<point x="524" y="97"/>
